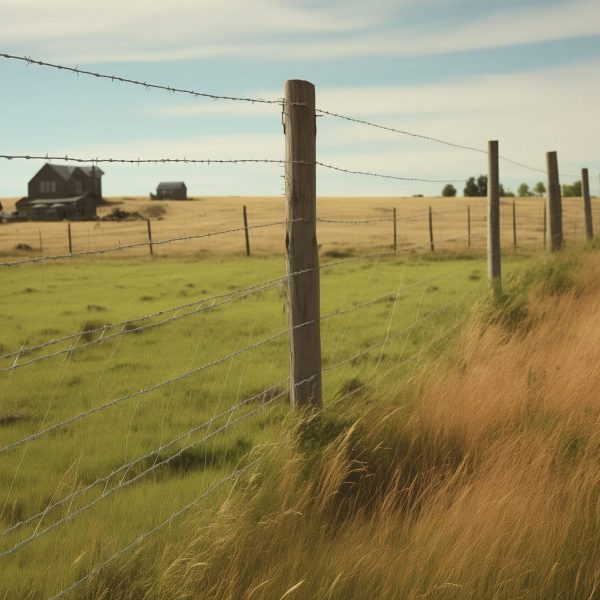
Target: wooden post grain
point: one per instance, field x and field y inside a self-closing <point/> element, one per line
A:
<point x="587" y="204"/>
<point x="514" y="223"/>
<point x="494" y="257"/>
<point x="303" y="296"/>
<point x="554" y="203"/>
<point x="150" y="245"/>
<point x="246" y="233"/>
<point x="395" y="232"/>
<point x="468" y="225"/>
<point x="70" y="238"/>
<point x="431" y="242"/>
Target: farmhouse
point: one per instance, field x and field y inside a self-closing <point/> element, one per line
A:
<point x="170" y="190"/>
<point x="58" y="192"/>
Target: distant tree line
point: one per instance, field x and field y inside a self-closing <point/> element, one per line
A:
<point x="477" y="187"/>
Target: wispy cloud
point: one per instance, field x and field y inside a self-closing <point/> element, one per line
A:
<point x="274" y="29"/>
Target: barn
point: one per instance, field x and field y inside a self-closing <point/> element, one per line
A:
<point x="170" y="190"/>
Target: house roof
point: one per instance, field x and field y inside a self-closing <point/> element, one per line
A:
<point x="65" y="171"/>
<point x="171" y="185"/>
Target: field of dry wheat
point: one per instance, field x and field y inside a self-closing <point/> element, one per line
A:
<point x="171" y="219"/>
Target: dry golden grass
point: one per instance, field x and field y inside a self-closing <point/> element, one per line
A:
<point x="204" y="215"/>
<point x="478" y="480"/>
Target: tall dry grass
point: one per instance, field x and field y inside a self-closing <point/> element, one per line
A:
<point x="477" y="480"/>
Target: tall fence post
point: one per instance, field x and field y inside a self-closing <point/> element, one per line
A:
<point x="554" y="203"/>
<point x="150" y="245"/>
<point x="70" y="238"/>
<point x="514" y="223"/>
<point x="431" y="242"/>
<point x="468" y="225"/>
<point x="395" y="232"/>
<point x="587" y="204"/>
<point x="246" y="233"/>
<point x="493" y="241"/>
<point x="41" y="243"/>
<point x="303" y="296"/>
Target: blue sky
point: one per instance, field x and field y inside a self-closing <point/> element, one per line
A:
<point x="523" y="72"/>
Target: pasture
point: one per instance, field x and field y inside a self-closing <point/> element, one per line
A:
<point x="77" y="467"/>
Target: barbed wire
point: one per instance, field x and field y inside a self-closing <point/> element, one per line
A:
<point x="232" y="477"/>
<point x="264" y="394"/>
<point x="171" y="89"/>
<point x="384" y="176"/>
<point x="229" y="296"/>
<point x="189" y="373"/>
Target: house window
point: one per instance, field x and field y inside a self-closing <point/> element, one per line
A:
<point x="47" y="187"/>
<point x="78" y="187"/>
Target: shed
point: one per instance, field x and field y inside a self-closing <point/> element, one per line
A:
<point x="77" y="208"/>
<point x="170" y="190"/>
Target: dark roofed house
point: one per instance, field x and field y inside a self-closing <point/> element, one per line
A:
<point x="170" y="190"/>
<point x="58" y="192"/>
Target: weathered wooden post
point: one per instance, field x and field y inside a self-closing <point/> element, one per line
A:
<point x="70" y="238"/>
<point x="587" y="204"/>
<point x="554" y="203"/>
<point x="468" y="225"/>
<point x="150" y="245"/>
<point x="395" y="232"/>
<point x="494" y="258"/>
<point x="301" y="243"/>
<point x="246" y="233"/>
<point x="545" y="224"/>
<point x="41" y="244"/>
<point x="431" y="242"/>
<point x="514" y="223"/>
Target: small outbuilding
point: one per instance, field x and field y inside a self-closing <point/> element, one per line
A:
<point x="170" y="190"/>
<point x="76" y="208"/>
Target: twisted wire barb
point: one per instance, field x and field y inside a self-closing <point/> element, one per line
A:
<point x="144" y="84"/>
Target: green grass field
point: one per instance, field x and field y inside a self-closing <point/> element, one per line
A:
<point x="39" y="303"/>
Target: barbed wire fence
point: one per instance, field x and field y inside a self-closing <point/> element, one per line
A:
<point x="301" y="286"/>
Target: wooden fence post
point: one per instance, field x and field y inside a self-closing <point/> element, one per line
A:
<point x="514" y="223"/>
<point x="545" y="224"/>
<point x="468" y="225"/>
<point x="554" y="203"/>
<point x="303" y="296"/>
<point x="41" y="244"/>
<point x="587" y="204"/>
<point x="493" y="241"/>
<point x="246" y="233"/>
<point x="395" y="233"/>
<point x="150" y="246"/>
<point x="431" y="242"/>
<point x="70" y="239"/>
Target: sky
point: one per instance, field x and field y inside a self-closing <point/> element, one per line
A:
<point x="523" y="72"/>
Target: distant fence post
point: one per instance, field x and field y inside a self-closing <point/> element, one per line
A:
<point x="545" y="224"/>
<point x="301" y="243"/>
<point x="150" y="245"/>
<point x="514" y="223"/>
<point x="41" y="244"/>
<point x="493" y="241"/>
<point x="395" y="232"/>
<point x="587" y="204"/>
<point x="70" y="238"/>
<point x="246" y="233"/>
<point x="554" y="203"/>
<point x="431" y="242"/>
<point x="468" y="225"/>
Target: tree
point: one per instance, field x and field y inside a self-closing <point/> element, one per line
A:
<point x="482" y="185"/>
<point x="470" y="187"/>
<point x="573" y="190"/>
<point x="540" y="188"/>
<point x="449" y="191"/>
<point x="523" y="190"/>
